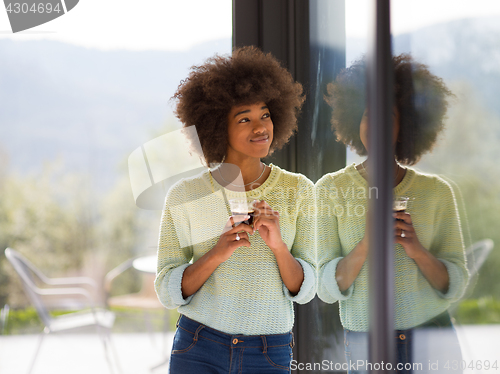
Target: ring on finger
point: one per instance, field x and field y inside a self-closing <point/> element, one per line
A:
<point x="402" y="234"/>
<point x="237" y="237"/>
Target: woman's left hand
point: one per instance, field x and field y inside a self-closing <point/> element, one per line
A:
<point x="404" y="234"/>
<point x="267" y="221"/>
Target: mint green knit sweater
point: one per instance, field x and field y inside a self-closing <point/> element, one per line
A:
<point x="342" y="202"/>
<point x="245" y="294"/>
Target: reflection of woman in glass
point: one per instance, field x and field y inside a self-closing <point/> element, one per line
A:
<point x="430" y="269"/>
<point x="234" y="283"/>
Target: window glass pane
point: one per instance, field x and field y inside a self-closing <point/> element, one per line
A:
<point x="77" y="96"/>
<point x="320" y="333"/>
<point x="457" y="44"/>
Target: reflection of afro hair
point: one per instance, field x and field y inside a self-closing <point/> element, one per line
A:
<point x="248" y="76"/>
<point x="420" y="97"/>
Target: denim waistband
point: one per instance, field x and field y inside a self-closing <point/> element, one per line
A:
<point x="237" y="341"/>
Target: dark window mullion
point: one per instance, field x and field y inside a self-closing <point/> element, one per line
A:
<point x="380" y="103"/>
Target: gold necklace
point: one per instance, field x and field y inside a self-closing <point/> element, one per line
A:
<point x="243" y="185"/>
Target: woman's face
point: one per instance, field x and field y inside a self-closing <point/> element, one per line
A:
<point x="364" y="128"/>
<point x="250" y="131"/>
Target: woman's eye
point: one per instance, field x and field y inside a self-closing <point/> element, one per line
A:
<point x="266" y="115"/>
<point x="243" y="120"/>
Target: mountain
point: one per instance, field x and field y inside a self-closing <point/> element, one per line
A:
<point x="466" y="50"/>
<point x="89" y="107"/>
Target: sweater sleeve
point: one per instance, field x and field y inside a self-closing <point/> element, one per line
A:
<point x="328" y="243"/>
<point x="447" y="244"/>
<point x="304" y="245"/>
<point x="174" y="253"/>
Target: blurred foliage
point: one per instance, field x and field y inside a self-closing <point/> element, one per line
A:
<point x="57" y="221"/>
<point x="485" y="310"/>
<point x="128" y="320"/>
<point x="23" y="321"/>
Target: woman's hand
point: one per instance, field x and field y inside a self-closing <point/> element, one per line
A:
<point x="232" y="237"/>
<point x="197" y="273"/>
<point x="267" y="222"/>
<point x="404" y="234"/>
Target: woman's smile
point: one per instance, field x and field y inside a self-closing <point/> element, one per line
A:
<point x="261" y="139"/>
<point x="250" y="132"/>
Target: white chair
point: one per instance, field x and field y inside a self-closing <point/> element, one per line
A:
<point x="477" y="254"/>
<point x="145" y="299"/>
<point x="38" y="286"/>
<point x="4" y="315"/>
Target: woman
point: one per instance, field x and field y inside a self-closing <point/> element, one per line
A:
<point x="430" y="270"/>
<point x="232" y="282"/>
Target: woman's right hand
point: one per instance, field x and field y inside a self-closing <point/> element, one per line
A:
<point x="196" y="274"/>
<point x="232" y="237"/>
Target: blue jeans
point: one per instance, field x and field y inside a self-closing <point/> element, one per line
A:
<point x="198" y="349"/>
<point x="356" y="351"/>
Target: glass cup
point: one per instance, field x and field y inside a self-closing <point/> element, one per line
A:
<point x="242" y="207"/>
<point x="399" y="204"/>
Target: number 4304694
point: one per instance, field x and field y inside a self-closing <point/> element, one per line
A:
<point x="34" y="8"/>
<point x="472" y="364"/>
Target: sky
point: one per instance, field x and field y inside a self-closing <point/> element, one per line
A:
<point x="134" y="25"/>
<point x="410" y="15"/>
<point x="174" y="25"/>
